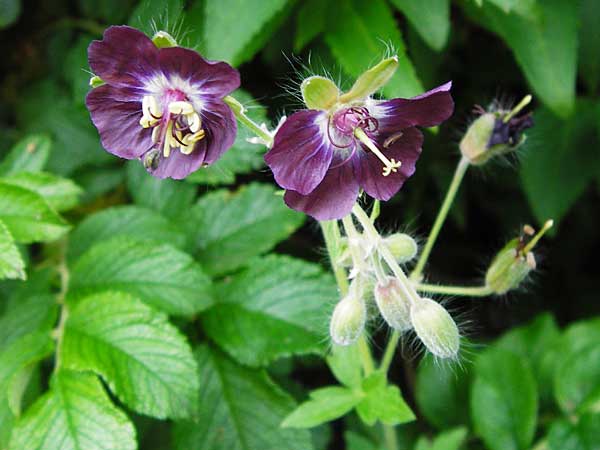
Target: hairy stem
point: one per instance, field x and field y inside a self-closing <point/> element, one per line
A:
<point x="459" y="173"/>
<point x="468" y="291"/>
<point x="240" y="113"/>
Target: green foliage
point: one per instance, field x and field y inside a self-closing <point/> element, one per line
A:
<point x="61" y="194"/>
<point x="589" y="44"/>
<point x="431" y="19"/>
<point x="382" y="402"/>
<point x="582" y="435"/>
<point x="30" y="154"/>
<point x="11" y="262"/>
<point x="277" y="307"/>
<point x="144" y="360"/>
<point x="242" y="401"/>
<point x="9" y="12"/>
<point x="448" y="440"/>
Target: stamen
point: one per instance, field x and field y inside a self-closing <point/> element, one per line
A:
<point x="167" y="143"/>
<point x="522" y="104"/>
<point x="180" y="107"/>
<point x="389" y="165"/>
<point x="534" y="240"/>
<point x="393" y="138"/>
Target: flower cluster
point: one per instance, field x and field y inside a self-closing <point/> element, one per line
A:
<point x="161" y="105"/>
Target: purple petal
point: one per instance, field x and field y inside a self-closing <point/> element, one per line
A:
<point x="220" y="126"/>
<point x="369" y="168"/>
<point x="178" y="165"/>
<point x="117" y="119"/>
<point x="214" y="78"/>
<point x="332" y="199"/>
<point x="301" y="153"/>
<point x="124" y="57"/>
<point x="426" y="110"/>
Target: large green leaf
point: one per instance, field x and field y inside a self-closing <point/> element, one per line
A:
<point x="576" y="384"/>
<point x="28" y="155"/>
<point x="75" y="414"/>
<point x="232" y="228"/>
<point x="431" y="19"/>
<point x="228" y="35"/>
<point x="442" y="392"/>
<point x="159" y="274"/>
<point x="358" y="33"/>
<point x="561" y="150"/>
<point x="240" y="409"/>
<point x="33" y="314"/>
<point x="60" y="193"/>
<point x="504" y="401"/>
<point x="145" y="360"/>
<point x="589" y="44"/>
<point x="324" y="405"/>
<point x="279" y="306"/>
<point x="382" y="402"/>
<point x="11" y="261"/>
<point x="132" y="221"/>
<point x="311" y="21"/>
<point x="545" y="46"/>
<point x="571" y="435"/>
<point x="27" y="215"/>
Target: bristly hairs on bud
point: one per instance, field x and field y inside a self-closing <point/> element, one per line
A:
<point x="349" y="316"/>
<point x="435" y="328"/>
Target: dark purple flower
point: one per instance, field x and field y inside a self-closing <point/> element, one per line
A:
<point x="323" y="157"/>
<point x="164" y="106"/>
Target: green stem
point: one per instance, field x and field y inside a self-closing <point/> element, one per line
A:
<point x="459" y="173"/>
<point x="366" y="358"/>
<point x="240" y="112"/>
<point x="390" y="349"/>
<point x="331" y="235"/>
<point x="390" y="437"/>
<point x="468" y="291"/>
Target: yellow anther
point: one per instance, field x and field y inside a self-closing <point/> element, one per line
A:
<point x="194" y="122"/>
<point x="155" y="134"/>
<point x="181" y="107"/>
<point x="151" y="113"/>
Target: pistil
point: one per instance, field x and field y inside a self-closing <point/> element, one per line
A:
<point x="389" y="165"/>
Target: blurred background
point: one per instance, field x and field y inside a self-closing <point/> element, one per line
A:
<point x="492" y="50"/>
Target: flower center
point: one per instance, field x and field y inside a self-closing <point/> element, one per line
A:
<point x="357" y="122"/>
<point x="177" y="127"/>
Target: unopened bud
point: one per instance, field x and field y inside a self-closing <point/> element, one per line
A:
<point x="348" y="320"/>
<point x="371" y="81"/>
<point x="495" y="133"/>
<point x="514" y="262"/>
<point x="96" y="81"/>
<point x="436" y="329"/>
<point x="403" y="247"/>
<point x="319" y="92"/>
<point x="393" y="303"/>
<point x="162" y="39"/>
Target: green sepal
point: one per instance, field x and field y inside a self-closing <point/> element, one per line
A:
<point x="319" y="92"/>
<point x="371" y="81"/>
<point x="96" y="81"/>
<point x="162" y="39"/>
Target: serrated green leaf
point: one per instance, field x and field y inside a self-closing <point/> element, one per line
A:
<point x="431" y="19"/>
<point x="344" y="362"/>
<point x="576" y="379"/>
<point x="32" y="314"/>
<point x="582" y="435"/>
<point x="145" y="360"/>
<point x="442" y="392"/>
<point x="27" y="215"/>
<point x="132" y="221"/>
<point x="75" y="414"/>
<point x="562" y="150"/>
<point x="310" y="22"/>
<point x="536" y="342"/>
<point x="382" y="402"/>
<point x="169" y="197"/>
<point x="231" y="228"/>
<point x="243" y="157"/>
<point x="60" y="193"/>
<point x="152" y="15"/>
<point x="544" y="45"/>
<point x="504" y="401"/>
<point x="159" y="274"/>
<point x="29" y="154"/>
<point x="11" y="261"/>
<point x="325" y="404"/>
<point x="277" y="307"/>
<point x="240" y="409"/>
<point x="358" y="33"/>
<point x="228" y="35"/>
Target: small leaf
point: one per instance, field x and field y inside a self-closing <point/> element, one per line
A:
<point x="279" y="306"/>
<point x="576" y="379"/>
<point x="325" y="404"/>
<point x="240" y="409"/>
<point x="158" y="274"/>
<point x="344" y="362"/>
<point x="382" y="402"/>
<point x="442" y="392"/>
<point x="448" y="440"/>
<point x="431" y="19"/>
<point x="60" y="193"/>
<point x="232" y="228"/>
<point x="373" y="27"/>
<point x="227" y="34"/>
<point x="76" y="414"/>
<point x="504" y="401"/>
<point x="11" y="261"/>
<point x="581" y="435"/>
<point x="28" y="217"/>
<point x="132" y="221"/>
<point x="145" y="360"/>
<point x="30" y="154"/>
